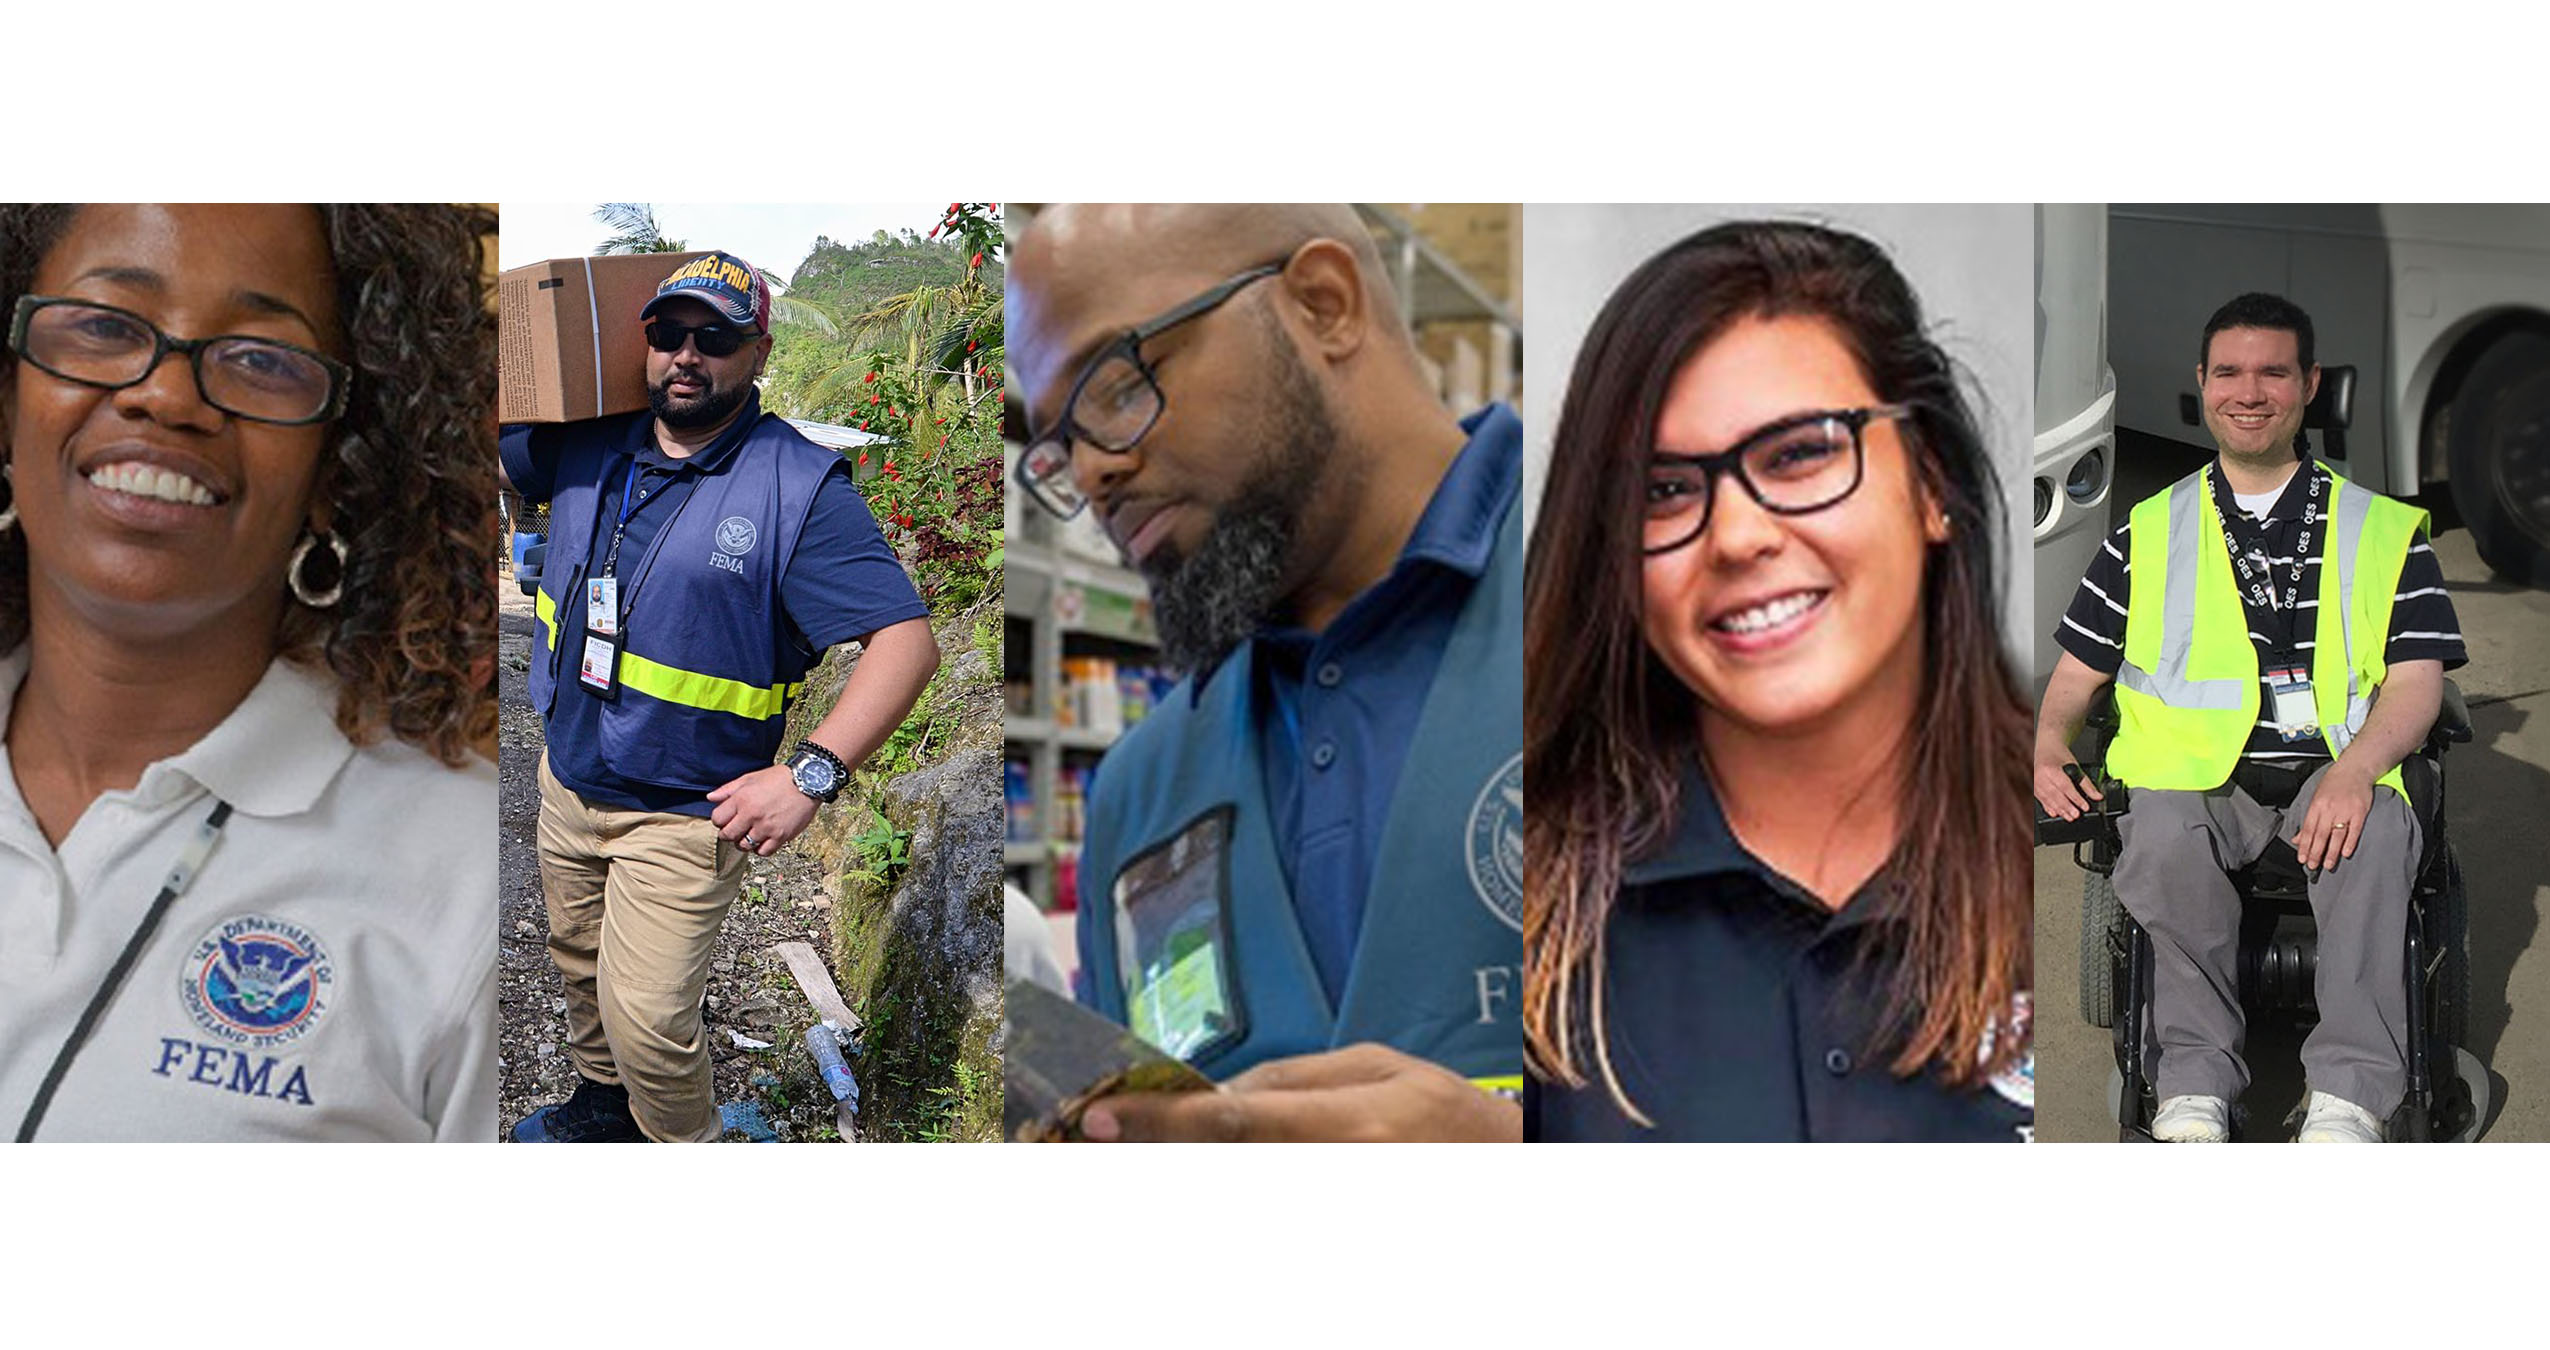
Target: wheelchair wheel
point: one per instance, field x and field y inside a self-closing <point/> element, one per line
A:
<point x="2471" y="1090"/>
<point x="2101" y="915"/>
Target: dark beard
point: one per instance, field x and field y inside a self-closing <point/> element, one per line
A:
<point x="1210" y="601"/>
<point x="706" y="410"/>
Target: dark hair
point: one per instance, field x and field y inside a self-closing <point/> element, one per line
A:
<point x="1606" y="727"/>
<point x="2258" y="309"/>
<point x="409" y="472"/>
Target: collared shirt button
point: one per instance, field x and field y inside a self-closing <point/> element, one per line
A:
<point x="1323" y="754"/>
<point x="1837" y="1061"/>
<point x="1329" y="674"/>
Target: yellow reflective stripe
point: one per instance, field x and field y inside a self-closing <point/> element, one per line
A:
<point x="546" y="611"/>
<point x="1508" y="1083"/>
<point x="712" y="692"/>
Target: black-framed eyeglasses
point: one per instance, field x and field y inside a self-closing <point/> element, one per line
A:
<point x="1793" y="467"/>
<point x="714" y="339"/>
<point x="108" y="348"/>
<point x="1115" y="402"/>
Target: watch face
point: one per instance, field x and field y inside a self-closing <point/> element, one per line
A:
<point x="814" y="775"/>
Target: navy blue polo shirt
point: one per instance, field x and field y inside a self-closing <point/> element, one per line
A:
<point x="1740" y="1008"/>
<point x="843" y="583"/>
<point x="1336" y="709"/>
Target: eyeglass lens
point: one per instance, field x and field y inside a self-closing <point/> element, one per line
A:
<point x="246" y="376"/>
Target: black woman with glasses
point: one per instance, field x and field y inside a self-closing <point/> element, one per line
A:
<point x="1779" y="872"/>
<point x="1302" y="872"/>
<point x="703" y="556"/>
<point x="247" y="880"/>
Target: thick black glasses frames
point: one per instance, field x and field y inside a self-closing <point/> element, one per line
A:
<point x="1731" y="463"/>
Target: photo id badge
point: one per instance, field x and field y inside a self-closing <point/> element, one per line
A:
<point x="2295" y="717"/>
<point x="1173" y="940"/>
<point x="601" y="670"/>
<point x="602" y="605"/>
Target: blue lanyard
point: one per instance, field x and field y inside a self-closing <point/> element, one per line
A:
<point x="611" y="560"/>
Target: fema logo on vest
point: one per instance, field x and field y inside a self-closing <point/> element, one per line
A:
<point x="257" y="982"/>
<point x="735" y="538"/>
<point x="1495" y="840"/>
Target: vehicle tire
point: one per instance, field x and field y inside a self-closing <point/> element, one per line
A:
<point x="2101" y="915"/>
<point x="2452" y="978"/>
<point x="2499" y="455"/>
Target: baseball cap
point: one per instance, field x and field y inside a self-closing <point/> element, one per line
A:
<point x="723" y="281"/>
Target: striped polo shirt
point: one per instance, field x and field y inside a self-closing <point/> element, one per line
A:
<point x="2423" y="625"/>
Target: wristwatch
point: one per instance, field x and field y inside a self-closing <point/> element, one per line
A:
<point x="818" y="772"/>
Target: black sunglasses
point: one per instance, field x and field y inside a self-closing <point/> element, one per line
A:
<point x="104" y="347"/>
<point x="714" y="339"/>
<point x="1121" y="393"/>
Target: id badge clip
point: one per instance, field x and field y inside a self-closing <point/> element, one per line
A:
<point x="2296" y="717"/>
<point x="602" y="606"/>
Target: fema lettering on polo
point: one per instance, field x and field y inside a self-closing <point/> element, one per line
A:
<point x="232" y="1071"/>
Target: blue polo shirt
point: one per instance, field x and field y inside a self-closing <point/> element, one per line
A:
<point x="1336" y="709"/>
<point x="843" y="583"/>
<point x="1740" y="1008"/>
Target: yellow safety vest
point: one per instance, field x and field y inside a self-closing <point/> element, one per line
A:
<point x="2187" y="695"/>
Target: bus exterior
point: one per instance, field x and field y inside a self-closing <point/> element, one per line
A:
<point x="2075" y="411"/>
<point x="2443" y="310"/>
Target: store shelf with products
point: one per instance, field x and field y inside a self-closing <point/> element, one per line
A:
<point x="1082" y="666"/>
<point x="1455" y="267"/>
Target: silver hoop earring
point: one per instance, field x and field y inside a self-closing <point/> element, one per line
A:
<point x="301" y="589"/>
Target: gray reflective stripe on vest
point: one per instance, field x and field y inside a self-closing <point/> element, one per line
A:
<point x="2346" y="528"/>
<point x="2168" y="680"/>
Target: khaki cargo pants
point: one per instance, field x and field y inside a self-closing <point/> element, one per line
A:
<point x="635" y="901"/>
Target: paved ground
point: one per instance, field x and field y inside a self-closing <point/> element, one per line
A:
<point x="2497" y="815"/>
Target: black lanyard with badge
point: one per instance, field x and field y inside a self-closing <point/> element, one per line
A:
<point x="606" y="611"/>
<point x="2288" y="675"/>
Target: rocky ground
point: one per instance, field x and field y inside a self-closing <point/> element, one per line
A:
<point x="750" y="995"/>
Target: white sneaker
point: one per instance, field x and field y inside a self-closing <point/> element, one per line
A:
<point x="2335" y="1120"/>
<point x="2193" y="1120"/>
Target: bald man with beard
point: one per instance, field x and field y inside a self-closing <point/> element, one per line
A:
<point x="1300" y="873"/>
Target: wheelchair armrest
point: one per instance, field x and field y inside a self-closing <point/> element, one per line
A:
<point x="2452" y="721"/>
<point x="2056" y="830"/>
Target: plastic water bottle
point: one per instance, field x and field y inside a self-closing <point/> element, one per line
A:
<point x="824" y="1040"/>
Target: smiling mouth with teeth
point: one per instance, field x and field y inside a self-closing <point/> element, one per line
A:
<point x="1769" y="614"/>
<point x="135" y="479"/>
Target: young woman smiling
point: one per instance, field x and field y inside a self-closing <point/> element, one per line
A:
<point x="1777" y="861"/>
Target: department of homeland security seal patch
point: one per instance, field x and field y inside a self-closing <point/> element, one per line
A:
<point x="257" y="982"/>
<point x="735" y="536"/>
<point x="2017" y="1084"/>
<point x="1496" y="843"/>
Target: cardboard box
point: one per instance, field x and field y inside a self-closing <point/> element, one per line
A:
<point x="570" y="345"/>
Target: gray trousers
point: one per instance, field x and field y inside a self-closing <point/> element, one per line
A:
<point x="2171" y="876"/>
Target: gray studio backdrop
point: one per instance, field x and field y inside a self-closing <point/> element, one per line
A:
<point x="1971" y="265"/>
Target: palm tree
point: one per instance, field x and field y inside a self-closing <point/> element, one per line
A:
<point x="635" y="230"/>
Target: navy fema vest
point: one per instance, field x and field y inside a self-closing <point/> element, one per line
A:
<point x="708" y="666"/>
<point x="1437" y="969"/>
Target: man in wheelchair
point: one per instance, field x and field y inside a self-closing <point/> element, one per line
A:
<point x="2278" y="638"/>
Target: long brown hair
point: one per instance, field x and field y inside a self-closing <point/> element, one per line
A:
<point x="1607" y="729"/>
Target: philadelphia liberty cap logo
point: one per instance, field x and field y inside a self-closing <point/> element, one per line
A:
<point x="258" y="982"/>
<point x="735" y="536"/>
<point x="1495" y="843"/>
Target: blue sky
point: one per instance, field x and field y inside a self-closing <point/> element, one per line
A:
<point x="772" y="238"/>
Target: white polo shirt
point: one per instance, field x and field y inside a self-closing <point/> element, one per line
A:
<point x="330" y="973"/>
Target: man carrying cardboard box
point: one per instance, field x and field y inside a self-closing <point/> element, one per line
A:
<point x="702" y="557"/>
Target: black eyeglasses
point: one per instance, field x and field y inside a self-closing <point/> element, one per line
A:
<point x="108" y="348"/>
<point x="1792" y="467"/>
<point x="1115" y="402"/>
<point x="714" y="339"/>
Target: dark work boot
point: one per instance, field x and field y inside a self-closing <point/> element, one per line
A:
<point x="598" y="1113"/>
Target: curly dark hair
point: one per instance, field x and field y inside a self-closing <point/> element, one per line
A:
<point x="409" y="471"/>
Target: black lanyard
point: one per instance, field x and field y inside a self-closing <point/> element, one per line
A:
<point x="189" y="862"/>
<point x="2257" y="584"/>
